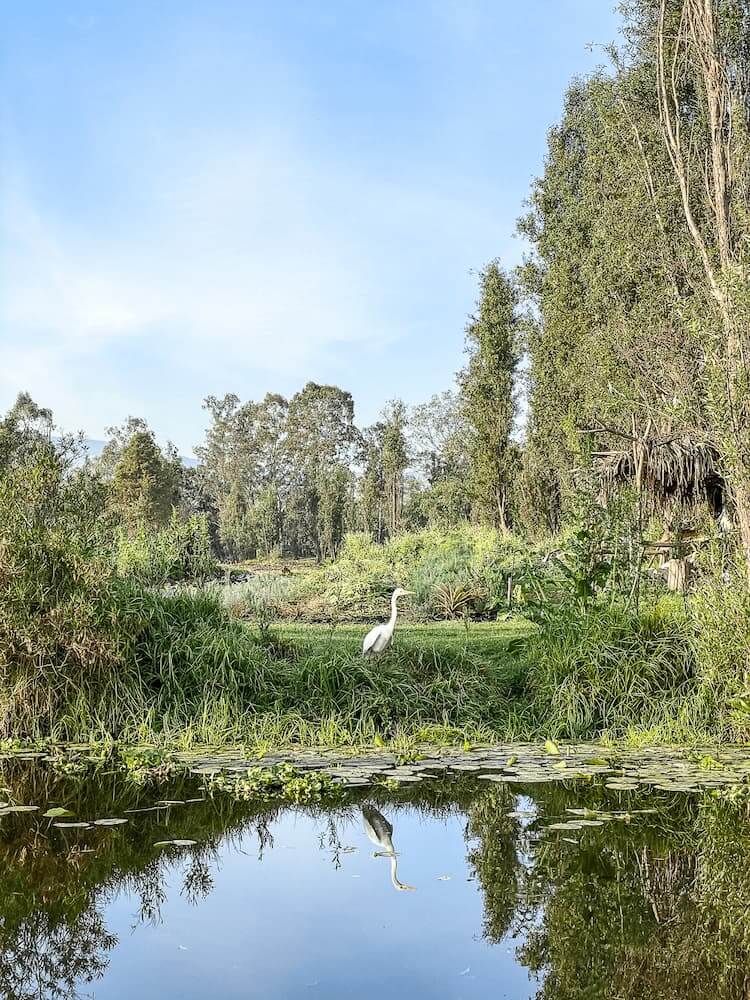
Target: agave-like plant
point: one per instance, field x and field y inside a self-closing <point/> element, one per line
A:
<point x="455" y="601"/>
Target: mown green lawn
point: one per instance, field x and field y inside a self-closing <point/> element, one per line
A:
<point x="487" y="638"/>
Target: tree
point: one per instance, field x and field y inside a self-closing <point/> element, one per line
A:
<point x="394" y="462"/>
<point x="488" y="390"/>
<point x="439" y="442"/>
<point x="440" y="437"/>
<point x="610" y="282"/>
<point x="243" y="464"/>
<point x="144" y="486"/>
<point x="703" y="86"/>
<point x="371" y="507"/>
<point x="318" y="450"/>
<point x="26" y="428"/>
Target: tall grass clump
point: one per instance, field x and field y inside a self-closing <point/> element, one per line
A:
<point x="221" y="680"/>
<point x="720" y="611"/>
<point x="609" y="668"/>
<point x="180" y="550"/>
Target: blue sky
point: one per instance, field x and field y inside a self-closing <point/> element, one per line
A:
<point x="235" y="196"/>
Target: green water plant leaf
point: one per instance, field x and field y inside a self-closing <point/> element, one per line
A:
<point x="552" y="748"/>
<point x="56" y="811"/>
<point x="114" y="821"/>
<point x="175" y="843"/>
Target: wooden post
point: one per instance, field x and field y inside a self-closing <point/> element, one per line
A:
<point x="678" y="574"/>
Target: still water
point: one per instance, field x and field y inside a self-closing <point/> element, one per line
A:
<point x="458" y="890"/>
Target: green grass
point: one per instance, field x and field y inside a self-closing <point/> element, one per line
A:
<point x="489" y="639"/>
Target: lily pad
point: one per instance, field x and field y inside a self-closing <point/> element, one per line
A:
<point x="175" y="843"/>
<point x="56" y="811"/>
<point x="72" y="826"/>
<point x="114" y="821"/>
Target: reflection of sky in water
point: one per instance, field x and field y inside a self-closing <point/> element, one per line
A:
<point x="292" y="925"/>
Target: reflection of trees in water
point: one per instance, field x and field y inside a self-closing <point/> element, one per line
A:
<point x="493" y="854"/>
<point x="42" y="957"/>
<point x="53" y="938"/>
<point x="655" y="908"/>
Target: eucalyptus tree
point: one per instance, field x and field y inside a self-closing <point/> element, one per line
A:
<point x="371" y="513"/>
<point x="318" y="451"/>
<point x="394" y="462"/>
<point x="439" y="438"/>
<point x="242" y="459"/>
<point x="23" y="429"/>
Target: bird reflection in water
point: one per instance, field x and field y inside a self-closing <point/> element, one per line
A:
<point x="380" y="832"/>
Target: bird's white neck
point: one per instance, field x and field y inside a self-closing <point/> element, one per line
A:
<point x="394" y="609"/>
<point x="400" y="886"/>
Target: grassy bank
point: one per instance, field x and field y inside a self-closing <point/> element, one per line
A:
<point x="89" y="651"/>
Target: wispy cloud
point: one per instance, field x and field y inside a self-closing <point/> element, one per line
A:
<point x="206" y="198"/>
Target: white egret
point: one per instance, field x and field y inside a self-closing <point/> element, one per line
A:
<point x="379" y="639"/>
<point x="380" y="832"/>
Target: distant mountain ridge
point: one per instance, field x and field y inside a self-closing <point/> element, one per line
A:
<point x="95" y="447"/>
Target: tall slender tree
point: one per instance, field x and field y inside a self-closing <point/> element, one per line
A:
<point x="394" y="462"/>
<point x="488" y="389"/>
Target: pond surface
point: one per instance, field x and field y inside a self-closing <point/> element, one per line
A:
<point x="457" y="889"/>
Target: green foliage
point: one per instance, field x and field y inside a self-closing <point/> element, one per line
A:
<point x="144" y="482"/>
<point x="283" y="781"/>
<point x="179" y="551"/>
<point x="24" y="429"/>
<point x="720" y="610"/>
<point x="472" y="558"/>
<point x="60" y="633"/>
<point x="488" y="392"/>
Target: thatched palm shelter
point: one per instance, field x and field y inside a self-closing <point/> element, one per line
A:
<point x="677" y="469"/>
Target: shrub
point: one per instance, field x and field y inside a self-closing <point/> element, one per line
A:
<point x="181" y="550"/>
<point x="470" y="559"/>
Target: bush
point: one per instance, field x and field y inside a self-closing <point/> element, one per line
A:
<point x="181" y="550"/>
<point x="472" y="561"/>
<point x="61" y="633"/>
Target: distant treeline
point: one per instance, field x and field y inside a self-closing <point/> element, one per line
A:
<point x="292" y="476"/>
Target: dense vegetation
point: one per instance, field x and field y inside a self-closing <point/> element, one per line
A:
<point x="627" y="328"/>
